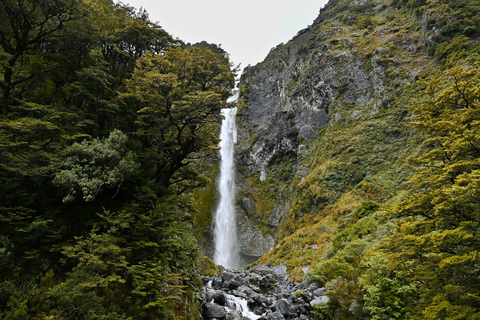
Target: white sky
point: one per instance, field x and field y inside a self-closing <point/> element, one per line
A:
<point x="246" y="29"/>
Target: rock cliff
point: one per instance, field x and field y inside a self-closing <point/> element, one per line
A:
<point x="350" y="66"/>
<point x="353" y="137"/>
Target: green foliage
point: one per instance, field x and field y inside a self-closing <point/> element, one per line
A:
<point x="411" y="4"/>
<point x="29" y="25"/>
<point x="457" y="20"/>
<point x="243" y="94"/>
<point x="359" y="229"/>
<point x="437" y="244"/>
<point x="91" y="166"/>
<point x="96" y="278"/>
<point x="366" y="208"/>
<point x="386" y="294"/>
<point x="65" y="134"/>
<point x="358" y="167"/>
<point x="178" y="96"/>
<point x="447" y="49"/>
<point x="208" y="267"/>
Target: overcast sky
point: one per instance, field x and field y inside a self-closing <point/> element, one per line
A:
<point x="246" y="29"/>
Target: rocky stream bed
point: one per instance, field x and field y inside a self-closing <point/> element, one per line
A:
<point x="261" y="292"/>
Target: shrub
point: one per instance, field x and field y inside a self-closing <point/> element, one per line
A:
<point x="366" y="208"/>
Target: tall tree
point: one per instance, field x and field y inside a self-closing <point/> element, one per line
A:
<point x="437" y="244"/>
<point x="178" y="97"/>
<point x="31" y="26"/>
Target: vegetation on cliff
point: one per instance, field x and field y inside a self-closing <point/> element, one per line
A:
<point x="382" y="206"/>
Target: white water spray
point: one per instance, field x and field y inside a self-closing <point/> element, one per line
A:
<point x="240" y="304"/>
<point x="225" y="232"/>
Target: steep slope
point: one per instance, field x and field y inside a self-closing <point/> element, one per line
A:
<point x="342" y="81"/>
<point x="325" y="139"/>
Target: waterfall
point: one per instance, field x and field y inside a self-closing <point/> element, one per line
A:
<point x="225" y="219"/>
<point x="240" y="304"/>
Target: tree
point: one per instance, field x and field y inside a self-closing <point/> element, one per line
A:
<point x="386" y="295"/>
<point x="177" y="99"/>
<point x="438" y="239"/>
<point x="30" y="26"/>
<point x="124" y="36"/>
<point x="92" y="166"/>
<point x="131" y="265"/>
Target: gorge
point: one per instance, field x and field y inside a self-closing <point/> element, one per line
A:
<point x="348" y="186"/>
<point x="328" y="143"/>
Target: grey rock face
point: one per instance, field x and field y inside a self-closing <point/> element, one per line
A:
<point x="319" y="76"/>
<point x="280" y="270"/>
<point x="251" y="240"/>
<point x="227" y="276"/>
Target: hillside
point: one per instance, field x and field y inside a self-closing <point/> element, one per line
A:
<point x="349" y="152"/>
<point x="106" y="123"/>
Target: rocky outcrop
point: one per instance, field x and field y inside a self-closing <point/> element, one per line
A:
<point x="261" y="292"/>
<point x="328" y="74"/>
<point x="252" y="241"/>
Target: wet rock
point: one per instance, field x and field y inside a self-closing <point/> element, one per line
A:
<point x="213" y="311"/>
<point x="227" y="276"/>
<point x="257" y="301"/>
<point x="267" y="282"/>
<point x="217" y="283"/>
<point x="235" y="315"/>
<point x="251" y="240"/>
<point x="265" y="291"/>
<point x="219" y="298"/>
<point x="255" y="288"/>
<point x="245" y="292"/>
<point x="232" y="284"/>
<point x="273" y="316"/>
<point x="242" y="279"/>
<point x="308" y="294"/>
<point x="277" y="291"/>
<point x="262" y="270"/>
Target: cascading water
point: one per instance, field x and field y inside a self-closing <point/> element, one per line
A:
<point x="240" y="304"/>
<point x="225" y="220"/>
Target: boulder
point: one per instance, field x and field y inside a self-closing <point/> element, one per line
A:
<point x="213" y="311"/>
<point x="280" y="270"/>
<point x="217" y="283"/>
<point x="284" y="307"/>
<point x="308" y="294"/>
<point x="319" y="300"/>
<point x="319" y="292"/>
<point x="273" y="316"/>
<point x="234" y="315"/>
<point x="265" y="290"/>
<point x="267" y="282"/>
<point x="227" y="276"/>
<point x="219" y="298"/>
